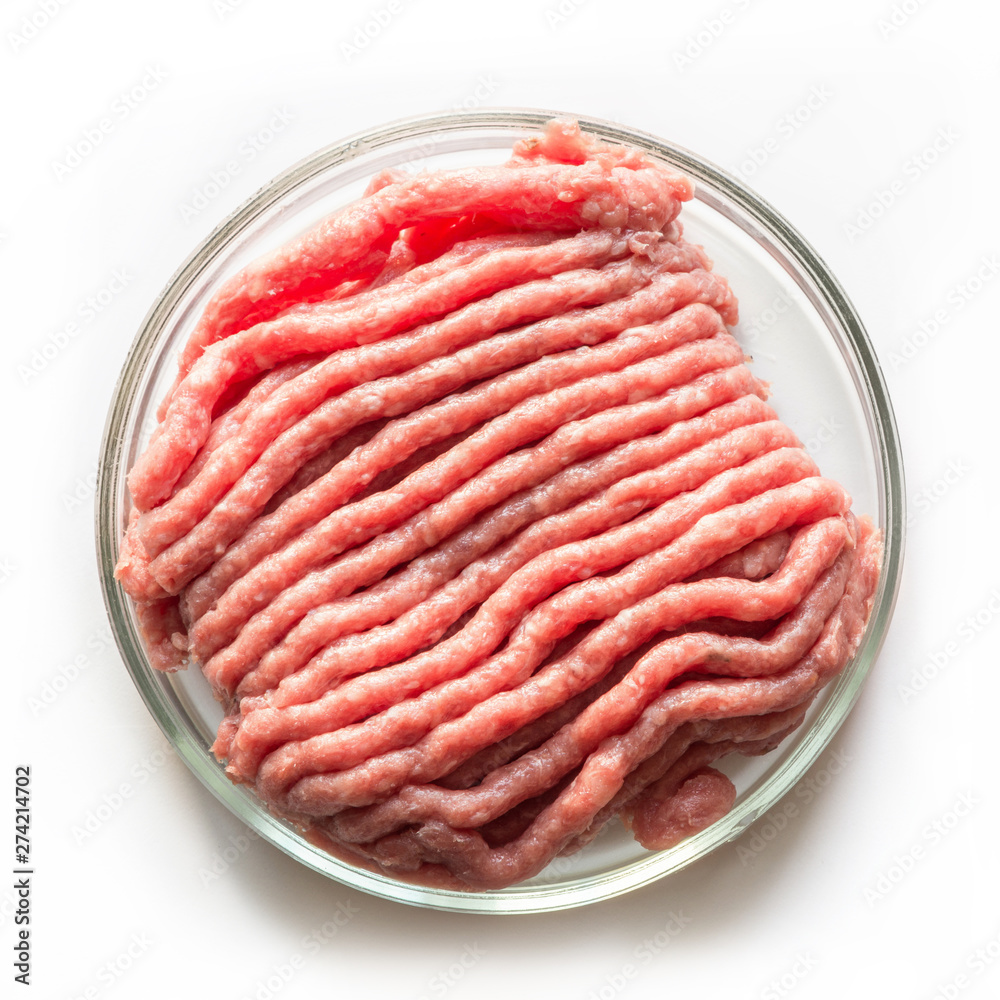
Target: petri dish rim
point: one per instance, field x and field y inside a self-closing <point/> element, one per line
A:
<point x="466" y="131"/>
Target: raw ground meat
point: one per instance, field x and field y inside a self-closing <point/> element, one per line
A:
<point x="472" y="514"/>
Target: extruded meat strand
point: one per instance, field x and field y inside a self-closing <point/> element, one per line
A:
<point x="132" y="568"/>
<point x="577" y="327"/>
<point x="465" y="853"/>
<point x="758" y="559"/>
<point x="687" y="804"/>
<point x="374" y="515"/>
<point x="570" y="196"/>
<point x="657" y="205"/>
<point x="527" y="776"/>
<point x="493" y="486"/>
<point x="482" y="720"/>
<point x="469" y="510"/>
<point x="471" y="771"/>
<point x="163" y="633"/>
<point x="684" y="474"/>
<point x="363" y="319"/>
<point x="426" y="573"/>
<point x="229" y="423"/>
<point x="308" y="473"/>
<point x="182" y="561"/>
<point x="656" y="787"/>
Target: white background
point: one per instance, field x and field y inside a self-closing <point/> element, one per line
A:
<point x="885" y="884"/>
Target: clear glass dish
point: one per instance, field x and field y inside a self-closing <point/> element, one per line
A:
<point x="803" y="333"/>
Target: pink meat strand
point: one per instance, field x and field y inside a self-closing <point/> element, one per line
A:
<point x="758" y="559"/>
<point x="227" y="521"/>
<point x="653" y="802"/>
<point x="425" y="574"/>
<point x="569" y="197"/>
<point x="132" y="568"/>
<point x="273" y="725"/>
<point x="538" y="769"/>
<point x="162" y="633"/>
<point x="532" y="639"/>
<point x="472" y="771"/>
<point x="319" y="327"/>
<point x="308" y="473"/>
<point x="523" y="424"/>
<point x="502" y="478"/>
<point x="229" y="423"/>
<point x="575" y="328"/>
<point x="467" y="855"/>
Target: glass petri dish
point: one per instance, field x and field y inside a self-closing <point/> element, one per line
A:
<point x="806" y="340"/>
